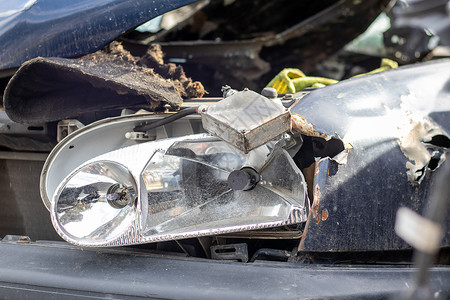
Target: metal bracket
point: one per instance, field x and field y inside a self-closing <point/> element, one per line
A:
<point x="66" y="127"/>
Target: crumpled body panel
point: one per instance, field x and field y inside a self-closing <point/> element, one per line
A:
<point x="394" y="127"/>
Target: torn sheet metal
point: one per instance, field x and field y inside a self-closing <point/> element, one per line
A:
<point x="300" y="124"/>
<point x="415" y="135"/>
<point x="354" y="209"/>
<point x="396" y="124"/>
<point x="404" y="108"/>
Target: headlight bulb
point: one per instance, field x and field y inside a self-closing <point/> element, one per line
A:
<point x="244" y="179"/>
<point x="118" y="196"/>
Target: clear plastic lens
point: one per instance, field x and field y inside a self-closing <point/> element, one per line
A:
<point x="175" y="185"/>
<point x="97" y="203"/>
<point x="219" y="154"/>
<point x="213" y="152"/>
<point x="191" y="194"/>
<point x="183" y="192"/>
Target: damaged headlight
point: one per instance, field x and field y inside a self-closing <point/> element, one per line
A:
<point x="177" y="188"/>
<point x="243" y="178"/>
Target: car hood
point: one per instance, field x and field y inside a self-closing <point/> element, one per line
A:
<point x="64" y="28"/>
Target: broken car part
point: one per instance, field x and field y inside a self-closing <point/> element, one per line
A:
<point x="171" y="189"/>
<point x="90" y="85"/>
<point x="161" y="269"/>
<point x="393" y="128"/>
<point x="177" y="188"/>
<point x="338" y="147"/>
<point x="111" y="134"/>
<point x="246" y="120"/>
<point x="249" y="55"/>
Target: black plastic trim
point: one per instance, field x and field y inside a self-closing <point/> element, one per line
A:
<point x="57" y="270"/>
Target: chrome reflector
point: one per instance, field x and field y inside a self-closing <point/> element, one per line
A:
<point x="96" y="203"/>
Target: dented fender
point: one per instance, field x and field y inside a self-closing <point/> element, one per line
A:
<point x="395" y="128"/>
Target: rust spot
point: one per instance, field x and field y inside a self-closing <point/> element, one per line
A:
<point x="304" y="233"/>
<point x="300" y="124"/>
<point x="315" y="207"/>
<point x="301" y="246"/>
<point x="316" y="199"/>
<point x="316" y="170"/>
<point x="324" y="214"/>
<point x="317" y="218"/>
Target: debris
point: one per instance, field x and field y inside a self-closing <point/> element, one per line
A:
<point x="153" y="60"/>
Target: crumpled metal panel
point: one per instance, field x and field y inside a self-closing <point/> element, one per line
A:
<point x="394" y="126"/>
<point x="65" y="28"/>
<point x="50" y="89"/>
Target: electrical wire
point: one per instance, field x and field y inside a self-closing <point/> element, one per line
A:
<point x="182" y="113"/>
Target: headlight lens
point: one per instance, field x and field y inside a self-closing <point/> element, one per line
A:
<point x="191" y="193"/>
<point x="96" y="203"/>
<point x="176" y="188"/>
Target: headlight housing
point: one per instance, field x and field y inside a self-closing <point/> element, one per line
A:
<point x="176" y="188"/>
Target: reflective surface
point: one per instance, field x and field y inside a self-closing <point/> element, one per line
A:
<point x="219" y="154"/>
<point x="97" y="202"/>
<point x="102" y="137"/>
<point x="192" y="193"/>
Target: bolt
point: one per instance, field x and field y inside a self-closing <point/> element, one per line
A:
<point x="269" y="92"/>
<point x="287" y="137"/>
<point x="227" y="91"/>
<point x="288" y="97"/>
